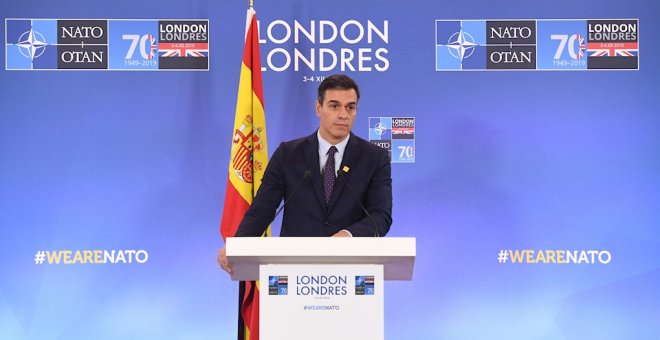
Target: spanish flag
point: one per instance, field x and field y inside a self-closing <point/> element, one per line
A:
<point x="249" y="157"/>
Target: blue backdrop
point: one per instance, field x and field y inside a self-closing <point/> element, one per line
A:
<point x="504" y="160"/>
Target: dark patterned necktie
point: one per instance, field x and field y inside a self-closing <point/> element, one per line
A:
<point x="329" y="174"/>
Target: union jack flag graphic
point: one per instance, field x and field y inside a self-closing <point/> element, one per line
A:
<point x="183" y="49"/>
<point x="613" y="49"/>
<point x="153" y="48"/>
<point x="581" y="47"/>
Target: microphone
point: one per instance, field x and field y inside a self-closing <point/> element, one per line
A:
<point x="340" y="174"/>
<point x="293" y="192"/>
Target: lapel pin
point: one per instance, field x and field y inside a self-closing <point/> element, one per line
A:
<point x="345" y="169"/>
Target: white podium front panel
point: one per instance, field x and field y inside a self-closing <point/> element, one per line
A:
<point x="321" y="302"/>
<point x="397" y="254"/>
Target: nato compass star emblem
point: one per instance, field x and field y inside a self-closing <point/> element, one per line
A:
<point x="380" y="128"/>
<point x="461" y="45"/>
<point x="32" y="44"/>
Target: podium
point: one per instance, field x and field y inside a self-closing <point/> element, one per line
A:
<point x="321" y="287"/>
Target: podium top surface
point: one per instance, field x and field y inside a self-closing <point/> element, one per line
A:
<point x="397" y="254"/>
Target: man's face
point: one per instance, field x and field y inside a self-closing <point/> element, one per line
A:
<point x="337" y="114"/>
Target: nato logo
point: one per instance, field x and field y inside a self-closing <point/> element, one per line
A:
<point x="460" y="45"/>
<point x="364" y="285"/>
<point x="31" y="44"/>
<point x="380" y="128"/>
<point x="561" y="45"/>
<point x="485" y="44"/>
<point x="380" y="133"/>
<point x="278" y="285"/>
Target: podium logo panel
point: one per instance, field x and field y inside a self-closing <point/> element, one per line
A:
<point x="323" y="295"/>
<point x="278" y="285"/>
<point x="364" y="285"/>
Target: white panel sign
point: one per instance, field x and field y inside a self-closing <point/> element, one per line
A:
<point x="321" y="302"/>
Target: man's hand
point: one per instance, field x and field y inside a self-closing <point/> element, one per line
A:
<point x="222" y="261"/>
<point x="342" y="233"/>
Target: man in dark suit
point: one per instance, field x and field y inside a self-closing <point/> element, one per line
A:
<point x="332" y="169"/>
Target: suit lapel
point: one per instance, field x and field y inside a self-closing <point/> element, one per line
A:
<point x="351" y="155"/>
<point x="312" y="162"/>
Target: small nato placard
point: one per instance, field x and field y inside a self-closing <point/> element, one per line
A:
<point x="396" y="135"/>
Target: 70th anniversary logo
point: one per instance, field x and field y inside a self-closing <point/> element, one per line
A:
<point x="106" y="44"/>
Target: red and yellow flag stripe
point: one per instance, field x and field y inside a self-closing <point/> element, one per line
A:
<point x="249" y="157"/>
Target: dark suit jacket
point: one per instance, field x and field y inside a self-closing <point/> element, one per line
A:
<point x="305" y="213"/>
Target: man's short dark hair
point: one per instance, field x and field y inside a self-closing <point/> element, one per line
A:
<point x="337" y="81"/>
